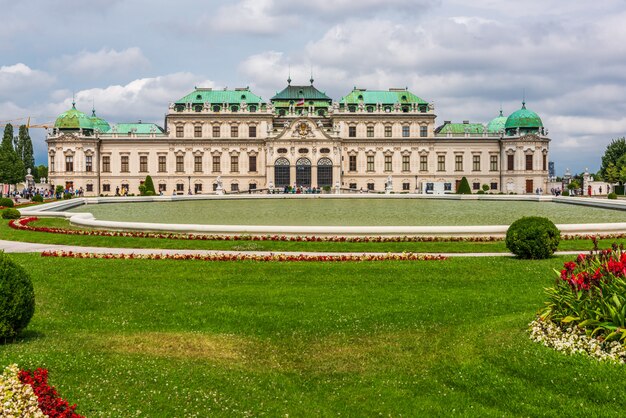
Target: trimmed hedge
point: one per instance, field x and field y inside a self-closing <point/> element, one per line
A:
<point x="10" y="213"/>
<point x="464" y="187"/>
<point x="6" y="202"/>
<point x="565" y="193"/>
<point x="37" y="198"/>
<point x="533" y="237"/>
<point x="612" y="195"/>
<point x="17" y="298"/>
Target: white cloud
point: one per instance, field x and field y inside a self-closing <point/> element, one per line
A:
<point x="105" y="61"/>
<point x="251" y="16"/>
<point x="19" y="81"/>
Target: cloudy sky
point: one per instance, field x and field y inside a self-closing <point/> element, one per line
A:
<point x="133" y="57"/>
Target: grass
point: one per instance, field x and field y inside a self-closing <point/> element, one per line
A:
<point x="186" y="338"/>
<point x="348" y="212"/>
<point x="7" y="233"/>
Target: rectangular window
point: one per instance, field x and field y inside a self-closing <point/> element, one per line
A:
<point x="179" y="131"/>
<point x="234" y="163"/>
<point x="234" y="187"/>
<point x="89" y="187"/>
<point x="234" y="131"/>
<point x="217" y="164"/>
<point x="252" y="132"/>
<point x="352" y="131"/>
<point x="216" y="131"/>
<point x="475" y="186"/>
<point x="69" y="163"/>
<point x="89" y="164"/>
<point x="252" y="163"/>
<point x="406" y="163"/>
<point x="352" y="163"/>
<point x="180" y="187"/>
<point x="52" y="163"/>
<point x="197" y="188"/>
<point x="124" y="164"/>
<point x="423" y="131"/>
<point x="180" y="163"/>
<point x="388" y="131"/>
<point x="197" y="163"/>
<point x="494" y="186"/>
<point x="370" y="131"/>
<point x="545" y="162"/>
<point x="406" y="186"/>
<point x="406" y="131"/>
<point x="106" y="187"/>
<point x="162" y="187"/>
<point x="370" y="186"/>
<point x="370" y="163"/>
<point x="441" y="163"/>
<point x="162" y="164"/>
<point x="423" y="162"/>
<point x="106" y="164"/>
<point x="388" y="162"/>
<point x="352" y="185"/>
<point x="509" y="162"/>
<point x="252" y="186"/>
<point x="197" y="131"/>
<point x="529" y="162"/>
<point x="458" y="163"/>
<point x="214" y="186"/>
<point x="493" y="163"/>
<point x="476" y="162"/>
<point x="143" y="163"/>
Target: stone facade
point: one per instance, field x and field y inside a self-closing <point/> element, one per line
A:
<point x="244" y="147"/>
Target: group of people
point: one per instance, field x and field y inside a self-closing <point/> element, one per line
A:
<point x="298" y="190"/>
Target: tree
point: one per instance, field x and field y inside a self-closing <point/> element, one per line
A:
<point x="149" y="184"/>
<point x="615" y="150"/>
<point x="611" y="174"/>
<point x="11" y="167"/>
<point x="24" y="149"/>
<point x="40" y="172"/>
<point x="464" y="187"/>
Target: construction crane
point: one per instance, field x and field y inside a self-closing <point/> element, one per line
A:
<point x="18" y="121"/>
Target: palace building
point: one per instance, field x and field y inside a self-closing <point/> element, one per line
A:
<point x="369" y="140"/>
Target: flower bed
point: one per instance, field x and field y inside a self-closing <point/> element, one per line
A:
<point x="586" y="308"/>
<point x="248" y="257"/>
<point x="24" y="225"/>
<point x="27" y="394"/>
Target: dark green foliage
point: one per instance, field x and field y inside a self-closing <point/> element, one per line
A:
<point x="485" y="187"/>
<point x="10" y="213"/>
<point x="149" y="184"/>
<point x="17" y="298"/>
<point x="24" y="150"/>
<point x="6" y="202"/>
<point x="612" y="195"/>
<point x="40" y="171"/>
<point x="614" y="151"/>
<point x="37" y="198"/>
<point x="533" y="237"/>
<point x="464" y="187"/>
<point x="480" y="192"/>
<point x="67" y="196"/>
<point x="618" y="190"/>
<point x="11" y="166"/>
<point x="565" y="192"/>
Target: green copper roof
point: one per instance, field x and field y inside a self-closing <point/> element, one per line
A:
<point x="138" y="128"/>
<point x="390" y="96"/>
<point x="206" y="95"/>
<point x="300" y="92"/>
<point x="496" y="124"/>
<point x="73" y="119"/>
<point x="99" y="123"/>
<point x="461" y="128"/>
<point x="523" y="118"/>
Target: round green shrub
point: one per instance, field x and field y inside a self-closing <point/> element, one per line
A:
<point x="533" y="237"/>
<point x="6" y="202"/>
<point x="565" y="193"/>
<point x="67" y="196"/>
<point x="37" y="198"/>
<point x="10" y="213"/>
<point x="612" y="195"/>
<point x="480" y="192"/>
<point x="17" y="298"/>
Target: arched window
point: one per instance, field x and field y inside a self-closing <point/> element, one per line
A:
<point x="234" y="108"/>
<point x="281" y="173"/>
<point x="303" y="172"/>
<point x="216" y="108"/>
<point x="324" y="172"/>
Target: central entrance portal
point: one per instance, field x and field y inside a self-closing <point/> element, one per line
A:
<point x="303" y="172"/>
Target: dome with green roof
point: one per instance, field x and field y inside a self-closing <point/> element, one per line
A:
<point x="99" y="123"/>
<point x="73" y="119"/>
<point x="496" y="125"/>
<point x="526" y="120"/>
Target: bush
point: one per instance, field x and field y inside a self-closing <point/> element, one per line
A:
<point x="17" y="298"/>
<point x="565" y="193"/>
<point x="533" y="237"/>
<point x="149" y="184"/>
<point x="37" y="198"/>
<point x="6" y="202"/>
<point x="149" y="193"/>
<point x="480" y="192"/>
<point x="464" y="187"/>
<point x="486" y="187"/>
<point x="10" y="213"/>
<point x="619" y="189"/>
<point x="67" y="196"/>
<point x="612" y="195"/>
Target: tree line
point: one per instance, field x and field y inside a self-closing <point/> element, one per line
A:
<point x="16" y="156"/>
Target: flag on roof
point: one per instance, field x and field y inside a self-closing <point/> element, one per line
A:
<point x="300" y="102"/>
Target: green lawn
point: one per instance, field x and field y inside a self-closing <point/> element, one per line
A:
<point x="187" y="338"/>
<point x="7" y="233"/>
<point x="348" y="212"/>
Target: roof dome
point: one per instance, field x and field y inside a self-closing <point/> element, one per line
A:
<point x="99" y="123"/>
<point x="496" y="125"/>
<point x="73" y="119"/>
<point x="523" y="118"/>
